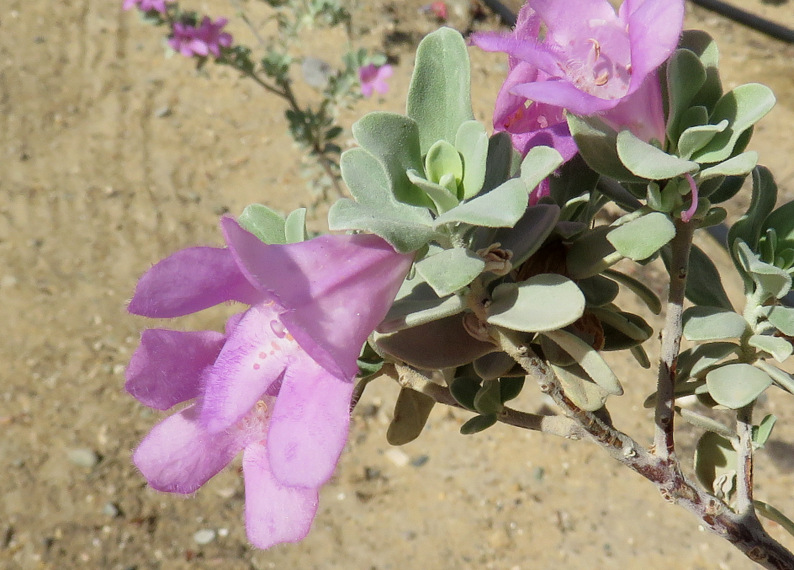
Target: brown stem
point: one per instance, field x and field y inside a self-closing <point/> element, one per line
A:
<point x="744" y="467"/>
<point x="742" y="529"/>
<point x="664" y="440"/>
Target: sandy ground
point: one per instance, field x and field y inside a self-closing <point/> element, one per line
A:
<point x="111" y="157"/>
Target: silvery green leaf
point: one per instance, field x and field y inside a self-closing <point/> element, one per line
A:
<point x="471" y="140"/>
<point x="762" y="431"/>
<point x="544" y="302"/>
<point x="782" y="318"/>
<point x="647" y="161"/>
<point x="528" y="234"/>
<point x="442" y="198"/>
<point x="264" y="223"/>
<point x="706" y="423"/>
<point x="742" y="108"/>
<point x="394" y="141"/>
<point x="464" y="388"/>
<point x="712" y="323"/>
<point x="773" y="514"/>
<point x="696" y="137"/>
<point x="494" y="365"/>
<point x="489" y="398"/>
<point x="722" y="189"/>
<point x="591" y="253"/>
<point x="539" y="163"/>
<point x="715" y="464"/>
<point x="700" y="358"/>
<point x="714" y="217"/>
<point x="704" y="46"/>
<point x="738" y="165"/>
<point x="751" y="225"/>
<point x="499" y="162"/>
<point x="410" y="416"/>
<point x="641" y="238"/>
<point x="681" y="390"/>
<point x="295" y="226"/>
<point x="510" y="388"/>
<point x="642" y="291"/>
<point x="771" y="280"/>
<point x="782" y="221"/>
<point x="696" y="116"/>
<point x="781" y="378"/>
<point x="598" y="291"/>
<point x="435" y="345"/>
<point x="443" y="158"/>
<point x="624" y="323"/>
<point x="704" y="283"/>
<point x="736" y="385"/>
<point x="589" y="359"/>
<point x="417" y="304"/>
<point x="597" y="143"/>
<point x="639" y="354"/>
<point x="501" y="207"/>
<point x="477" y="423"/>
<point x="685" y="76"/>
<point x="439" y="96"/>
<point x="779" y="348"/>
<point x="583" y="392"/>
<point x="608" y="187"/>
<point x="450" y="270"/>
<point x="404" y="234"/>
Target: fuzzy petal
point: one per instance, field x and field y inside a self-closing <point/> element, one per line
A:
<point x="642" y="112"/>
<point x="274" y="513"/>
<point x="179" y="456"/>
<point x="167" y="366"/>
<point x="564" y="94"/>
<point x="191" y="280"/>
<point x="336" y="288"/>
<point x="309" y="425"/>
<point x="651" y="42"/>
<point x="254" y="357"/>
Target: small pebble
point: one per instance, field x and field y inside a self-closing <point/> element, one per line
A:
<point x="162" y="112"/>
<point x="399" y="458"/>
<point x="84" y="457"/>
<point x="222" y="532"/>
<point x="420" y="460"/>
<point x="204" y="536"/>
<point x="111" y="510"/>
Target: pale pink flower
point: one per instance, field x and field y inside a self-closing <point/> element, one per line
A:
<point x="200" y="41"/>
<point x="374" y="78"/>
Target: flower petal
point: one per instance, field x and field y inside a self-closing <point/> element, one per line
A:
<point x="179" y="456"/>
<point x="254" y="357"/>
<point x="564" y="94"/>
<point x="309" y="425"/>
<point x="274" y="513"/>
<point x="651" y="42"/>
<point x="167" y="366"/>
<point x="191" y="280"/>
<point x="336" y="288"/>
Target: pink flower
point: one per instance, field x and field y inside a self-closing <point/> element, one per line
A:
<point x="529" y="123"/>
<point x="438" y="9"/>
<point x="593" y="60"/>
<point x="277" y="384"/>
<point x="200" y="41"/>
<point x="374" y="79"/>
<point x="146" y="5"/>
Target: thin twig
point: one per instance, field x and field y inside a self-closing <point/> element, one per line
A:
<point x="664" y="440"/>
<point x="744" y="467"/>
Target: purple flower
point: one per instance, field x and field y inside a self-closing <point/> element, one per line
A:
<point x="201" y="41"/>
<point x="277" y="384"/>
<point x="374" y="79"/>
<point x="146" y="5"/>
<point x="593" y="60"/>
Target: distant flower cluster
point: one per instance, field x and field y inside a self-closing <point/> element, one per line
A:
<point x="146" y="5"/>
<point x="200" y="41"/>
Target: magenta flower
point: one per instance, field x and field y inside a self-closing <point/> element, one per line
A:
<point x="374" y="78"/>
<point x="529" y="123"/>
<point x="146" y="5"/>
<point x="591" y="59"/>
<point x="277" y="384"/>
<point x="200" y="41"/>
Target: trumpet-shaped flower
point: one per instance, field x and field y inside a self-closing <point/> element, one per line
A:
<point x="277" y="384"/>
<point x="374" y="78"/>
<point x="146" y="5"/>
<point x="593" y="60"/>
<point x="200" y="41"/>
